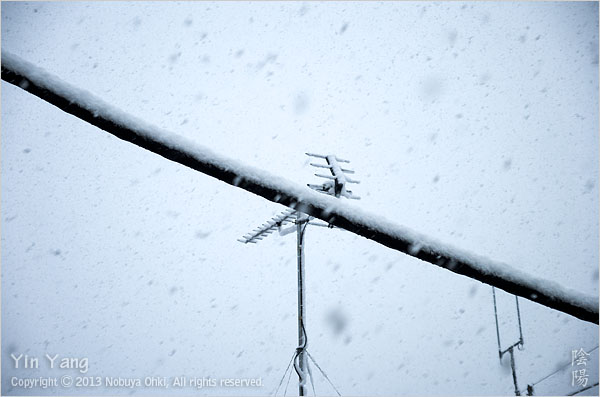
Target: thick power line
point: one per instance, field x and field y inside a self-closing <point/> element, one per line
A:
<point x="103" y="116"/>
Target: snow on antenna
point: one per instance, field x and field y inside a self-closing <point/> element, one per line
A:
<point x="334" y="185"/>
<point x="267" y="228"/>
<point x="336" y="182"/>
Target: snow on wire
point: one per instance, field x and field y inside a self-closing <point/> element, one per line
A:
<point x="90" y="108"/>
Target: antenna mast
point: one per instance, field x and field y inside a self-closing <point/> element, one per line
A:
<point x="335" y="185"/>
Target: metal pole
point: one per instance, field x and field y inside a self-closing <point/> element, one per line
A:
<point x="514" y="371"/>
<point x="520" y="346"/>
<point x="497" y="327"/>
<point x="301" y="310"/>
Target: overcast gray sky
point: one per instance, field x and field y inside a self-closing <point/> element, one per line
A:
<point x="475" y="123"/>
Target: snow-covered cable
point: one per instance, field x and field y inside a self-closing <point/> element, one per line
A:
<point x="93" y="110"/>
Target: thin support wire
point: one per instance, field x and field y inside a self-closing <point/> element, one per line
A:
<point x="324" y="374"/>
<point x="310" y="375"/>
<point x="584" y="389"/>
<point x="283" y="377"/>
<point x="558" y="370"/>
<point x="288" y="382"/>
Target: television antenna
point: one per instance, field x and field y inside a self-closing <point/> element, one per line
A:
<point x="510" y="350"/>
<point x="334" y="185"/>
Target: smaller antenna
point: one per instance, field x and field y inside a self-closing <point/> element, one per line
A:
<point x="335" y="184"/>
<point x="510" y="349"/>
